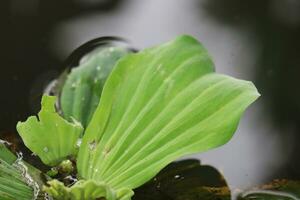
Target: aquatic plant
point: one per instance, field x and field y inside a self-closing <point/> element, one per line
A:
<point x="156" y="106"/>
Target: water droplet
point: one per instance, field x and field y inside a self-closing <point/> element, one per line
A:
<point x="98" y="68"/>
<point x="176" y="176"/>
<point x="158" y="185"/>
<point x="96" y="80"/>
<point x="73" y="85"/>
<point x="92" y="145"/>
<point x="33" y="154"/>
<point x="78" y="143"/>
<point x="45" y="149"/>
<point x="111" y="49"/>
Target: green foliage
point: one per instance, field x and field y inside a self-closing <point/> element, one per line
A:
<point x="13" y="183"/>
<point x="5" y="154"/>
<point x="82" y="90"/>
<point x="158" y="105"/>
<point x="50" y="136"/>
<point x="82" y="190"/>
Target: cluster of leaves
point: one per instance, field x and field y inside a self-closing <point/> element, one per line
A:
<point x="155" y="107"/>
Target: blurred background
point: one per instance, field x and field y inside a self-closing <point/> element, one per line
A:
<point x="257" y="40"/>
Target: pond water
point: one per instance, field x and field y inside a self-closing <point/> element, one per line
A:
<point x="254" y="40"/>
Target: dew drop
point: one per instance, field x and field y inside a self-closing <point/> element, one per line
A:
<point x="78" y="143"/>
<point x="98" y="68"/>
<point x="45" y="149"/>
<point x="73" y="85"/>
<point x="96" y="80"/>
<point x="92" y="145"/>
<point x="176" y="176"/>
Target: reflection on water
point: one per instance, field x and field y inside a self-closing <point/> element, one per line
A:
<point x="276" y="26"/>
<point x="257" y="40"/>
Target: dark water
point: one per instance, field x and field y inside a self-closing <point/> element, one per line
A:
<point x="256" y="40"/>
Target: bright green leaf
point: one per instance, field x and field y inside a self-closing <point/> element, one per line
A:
<point x="85" y="190"/>
<point x="158" y="105"/>
<point x="50" y="136"/>
<point x="82" y="90"/>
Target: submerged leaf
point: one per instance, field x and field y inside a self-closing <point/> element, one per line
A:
<point x="182" y="180"/>
<point x="276" y="190"/>
<point x="50" y="136"/>
<point x="82" y="90"/>
<point x="82" y="190"/>
<point x="158" y="105"/>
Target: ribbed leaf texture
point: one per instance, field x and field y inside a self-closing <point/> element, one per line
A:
<point x="13" y="183"/>
<point x="50" y="136"/>
<point x="158" y="105"/>
<point x="5" y="154"/>
<point x="82" y="90"/>
<point x="86" y="190"/>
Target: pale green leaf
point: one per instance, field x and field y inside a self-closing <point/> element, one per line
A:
<point x="85" y="190"/>
<point x="82" y="90"/>
<point x="158" y="105"/>
<point x="50" y="136"/>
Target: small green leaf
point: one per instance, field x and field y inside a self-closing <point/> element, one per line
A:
<point x="82" y="90"/>
<point x="158" y="105"/>
<point x="49" y="136"/>
<point x="82" y="190"/>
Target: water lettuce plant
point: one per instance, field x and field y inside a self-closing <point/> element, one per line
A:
<point x="156" y="106"/>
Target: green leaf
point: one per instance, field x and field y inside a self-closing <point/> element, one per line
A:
<point x="5" y="154"/>
<point x="158" y="105"/>
<point x="11" y="159"/>
<point x="14" y="183"/>
<point x="49" y="136"/>
<point x="82" y="90"/>
<point x="90" y="190"/>
<point x="185" y="179"/>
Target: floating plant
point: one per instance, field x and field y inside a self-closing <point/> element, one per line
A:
<point x="155" y="106"/>
<point x="81" y="92"/>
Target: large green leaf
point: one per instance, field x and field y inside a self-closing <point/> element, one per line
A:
<point x="82" y="90"/>
<point x="50" y="136"/>
<point x="158" y="105"/>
